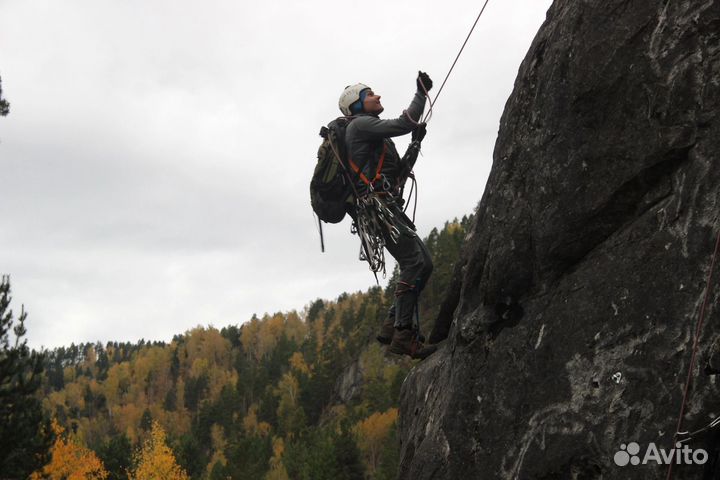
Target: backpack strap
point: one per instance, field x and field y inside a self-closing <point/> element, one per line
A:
<point x="378" y="172"/>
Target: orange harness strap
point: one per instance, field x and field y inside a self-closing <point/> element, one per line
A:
<point x="378" y="174"/>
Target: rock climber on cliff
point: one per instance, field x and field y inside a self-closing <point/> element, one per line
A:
<point x="381" y="175"/>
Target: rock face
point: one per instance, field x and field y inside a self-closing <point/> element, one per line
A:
<point x="581" y="283"/>
<point x="349" y="384"/>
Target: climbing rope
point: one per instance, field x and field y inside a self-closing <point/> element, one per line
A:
<point x="696" y="342"/>
<point x="373" y="214"/>
<point x="428" y="115"/>
<point x="432" y="103"/>
<point x="413" y="189"/>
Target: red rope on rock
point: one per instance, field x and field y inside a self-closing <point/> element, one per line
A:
<point x="696" y="342"/>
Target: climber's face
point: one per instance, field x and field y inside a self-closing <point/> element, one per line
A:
<point x="372" y="104"/>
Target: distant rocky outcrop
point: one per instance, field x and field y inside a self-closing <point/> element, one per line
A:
<point x="349" y="384"/>
<point x="575" y="304"/>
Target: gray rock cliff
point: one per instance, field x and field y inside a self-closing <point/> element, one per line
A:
<point x="576" y="300"/>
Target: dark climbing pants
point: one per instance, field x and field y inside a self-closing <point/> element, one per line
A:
<point x="415" y="266"/>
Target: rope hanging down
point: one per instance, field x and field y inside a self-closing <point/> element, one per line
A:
<point x="696" y="342"/>
<point x="432" y="102"/>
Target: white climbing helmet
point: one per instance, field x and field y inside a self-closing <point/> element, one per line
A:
<point x="349" y="96"/>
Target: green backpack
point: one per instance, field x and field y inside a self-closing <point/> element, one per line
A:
<point x="332" y="193"/>
<point x="331" y="190"/>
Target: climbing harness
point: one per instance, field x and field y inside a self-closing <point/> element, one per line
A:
<point x="378" y="175"/>
<point x="374" y="212"/>
<point x="696" y="342"/>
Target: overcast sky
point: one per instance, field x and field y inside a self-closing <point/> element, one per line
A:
<point x="156" y="160"/>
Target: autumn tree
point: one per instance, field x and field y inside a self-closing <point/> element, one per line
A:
<point x="259" y="400"/>
<point x="70" y="460"/>
<point x="290" y="415"/>
<point x="372" y="434"/>
<point x="277" y="468"/>
<point x="218" y="462"/>
<point x="156" y="461"/>
<point x="25" y="435"/>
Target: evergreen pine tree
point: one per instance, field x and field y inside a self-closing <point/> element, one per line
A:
<point x="389" y="458"/>
<point x="25" y="437"/>
<point x="146" y="421"/>
<point x="103" y="362"/>
<point x="116" y="454"/>
<point x="347" y="456"/>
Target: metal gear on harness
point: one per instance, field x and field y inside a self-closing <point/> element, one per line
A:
<point x="379" y="219"/>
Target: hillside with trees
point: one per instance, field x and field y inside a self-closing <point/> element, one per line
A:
<point x="296" y="395"/>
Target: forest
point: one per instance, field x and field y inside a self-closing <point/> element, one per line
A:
<point x="305" y="394"/>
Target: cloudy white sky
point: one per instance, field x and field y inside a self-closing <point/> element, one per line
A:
<point x="156" y="160"/>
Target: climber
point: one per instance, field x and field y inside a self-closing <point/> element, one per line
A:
<point x="381" y="174"/>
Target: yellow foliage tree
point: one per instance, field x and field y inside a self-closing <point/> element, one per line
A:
<point x="291" y="417"/>
<point x="250" y="331"/>
<point x="155" y="461"/>
<point x="117" y="384"/>
<point x="277" y="468"/>
<point x="295" y="327"/>
<point x="151" y="372"/>
<point x="217" y="436"/>
<point x="252" y="426"/>
<point x="297" y="363"/>
<point x="260" y="337"/>
<point x="70" y="461"/>
<point x="372" y="433"/>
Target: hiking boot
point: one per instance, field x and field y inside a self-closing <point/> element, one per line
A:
<point x="386" y="336"/>
<point x="405" y="342"/>
<point x="386" y="331"/>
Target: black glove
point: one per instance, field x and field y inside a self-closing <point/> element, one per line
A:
<point x="425" y="79"/>
<point x="419" y="133"/>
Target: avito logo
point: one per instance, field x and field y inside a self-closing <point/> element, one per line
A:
<point x="680" y="455"/>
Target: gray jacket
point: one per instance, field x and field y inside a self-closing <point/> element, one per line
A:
<point x="367" y="134"/>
